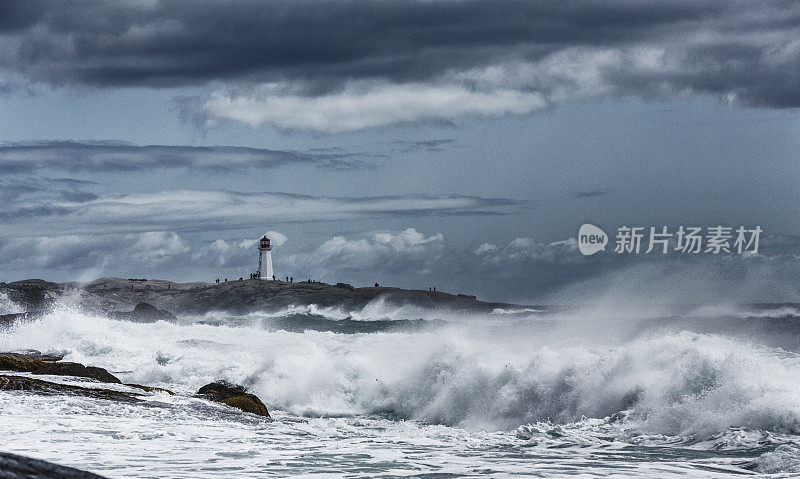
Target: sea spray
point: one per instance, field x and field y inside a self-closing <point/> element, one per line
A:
<point x="473" y="374"/>
<point x="8" y="305"/>
<point x="529" y="379"/>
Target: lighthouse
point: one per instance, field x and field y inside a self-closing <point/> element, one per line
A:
<point x="265" y="259"/>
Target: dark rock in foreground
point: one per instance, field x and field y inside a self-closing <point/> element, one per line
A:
<point x="37" y="363"/>
<point x="34" y="354"/>
<point x="144" y="313"/>
<point x="24" y="383"/>
<point x="13" y="466"/>
<point x="31" y="363"/>
<point x="235" y="396"/>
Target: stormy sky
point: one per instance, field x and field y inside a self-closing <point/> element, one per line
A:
<point x="413" y="143"/>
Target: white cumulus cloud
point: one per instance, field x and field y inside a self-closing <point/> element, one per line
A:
<point x="363" y="105"/>
<point x="397" y="251"/>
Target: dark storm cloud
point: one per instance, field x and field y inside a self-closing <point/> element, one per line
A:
<point x="195" y="210"/>
<point x="13" y="188"/>
<point x="172" y="43"/>
<point x="744" y="50"/>
<point x="114" y="156"/>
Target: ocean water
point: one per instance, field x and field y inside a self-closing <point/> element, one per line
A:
<point x="708" y="391"/>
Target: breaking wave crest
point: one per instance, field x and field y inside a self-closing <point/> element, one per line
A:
<point x="477" y="373"/>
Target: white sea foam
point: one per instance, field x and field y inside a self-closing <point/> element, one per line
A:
<point x="489" y="383"/>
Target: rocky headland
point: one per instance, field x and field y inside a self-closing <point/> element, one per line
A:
<point x="123" y="298"/>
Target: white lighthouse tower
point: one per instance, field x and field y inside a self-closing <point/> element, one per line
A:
<point x="265" y="259"/>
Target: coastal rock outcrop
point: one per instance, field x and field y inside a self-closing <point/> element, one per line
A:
<point x="37" y="363"/>
<point x="34" y="294"/>
<point x="235" y="396"/>
<point x="144" y="313"/>
<point x="25" y="383"/>
<point x="31" y="363"/>
<point x="118" y="296"/>
<point x="13" y="466"/>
